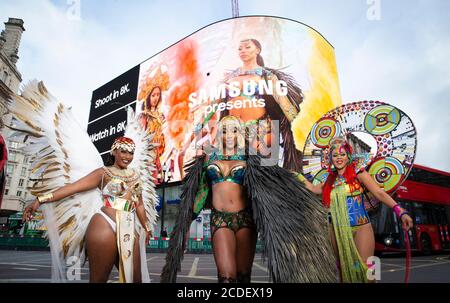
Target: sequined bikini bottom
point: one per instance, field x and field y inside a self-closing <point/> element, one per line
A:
<point x="231" y="220"/>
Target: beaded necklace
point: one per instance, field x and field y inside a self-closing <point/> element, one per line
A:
<point x="259" y="71"/>
<point x="220" y="157"/>
<point x="126" y="175"/>
<point x="355" y="190"/>
<point x="340" y="180"/>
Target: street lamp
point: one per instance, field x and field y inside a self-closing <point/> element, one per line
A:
<point x="165" y="170"/>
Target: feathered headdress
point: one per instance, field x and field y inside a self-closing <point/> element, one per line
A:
<point x="154" y="77"/>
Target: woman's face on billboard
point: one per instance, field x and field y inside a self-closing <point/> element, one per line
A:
<point x="155" y="97"/>
<point x="248" y="50"/>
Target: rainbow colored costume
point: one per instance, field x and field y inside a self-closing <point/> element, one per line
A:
<point x="356" y="211"/>
<point x="347" y="215"/>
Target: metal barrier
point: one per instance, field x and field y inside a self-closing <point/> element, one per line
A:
<point x="22" y="241"/>
<point x="194" y="245"/>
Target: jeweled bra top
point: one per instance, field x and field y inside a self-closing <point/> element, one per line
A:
<point x="122" y="190"/>
<point x="258" y="71"/>
<point x="215" y="174"/>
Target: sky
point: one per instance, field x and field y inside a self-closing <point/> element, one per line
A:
<point x="389" y="50"/>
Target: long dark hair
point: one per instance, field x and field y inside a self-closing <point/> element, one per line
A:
<point x="148" y="101"/>
<point x="110" y="161"/>
<point x="259" y="58"/>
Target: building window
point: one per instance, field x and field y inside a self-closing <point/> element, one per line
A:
<point x="12" y="156"/>
<point x="9" y="169"/>
<point x="19" y="193"/>
<point x="6" y="192"/>
<point x="24" y="171"/>
<point x="8" y="181"/>
<point x="5" y="76"/>
<point x="13" y="144"/>
<point x="25" y="160"/>
<point x="21" y="182"/>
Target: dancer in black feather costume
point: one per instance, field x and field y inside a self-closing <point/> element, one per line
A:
<point x="248" y="198"/>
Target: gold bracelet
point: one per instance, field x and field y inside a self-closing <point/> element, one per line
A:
<point x="44" y="198"/>
<point x="148" y="227"/>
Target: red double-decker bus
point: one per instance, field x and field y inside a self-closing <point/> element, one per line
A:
<point x="426" y="195"/>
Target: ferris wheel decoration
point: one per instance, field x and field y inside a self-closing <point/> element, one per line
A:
<point x="383" y="137"/>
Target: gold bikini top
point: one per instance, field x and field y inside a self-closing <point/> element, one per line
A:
<point x="123" y="189"/>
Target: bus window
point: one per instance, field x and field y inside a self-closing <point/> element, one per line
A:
<point x="421" y="214"/>
<point x="384" y="221"/>
<point x="447" y="215"/>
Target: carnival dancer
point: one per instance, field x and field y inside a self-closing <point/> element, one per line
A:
<point x="350" y="229"/>
<point x="248" y="198"/>
<point x="104" y="213"/>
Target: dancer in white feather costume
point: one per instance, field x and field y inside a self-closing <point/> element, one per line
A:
<point x="103" y="213"/>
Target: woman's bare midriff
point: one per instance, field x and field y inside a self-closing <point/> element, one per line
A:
<point x="228" y="196"/>
<point x="246" y="113"/>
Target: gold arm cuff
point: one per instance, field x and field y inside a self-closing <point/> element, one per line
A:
<point x="148" y="227"/>
<point x="45" y="198"/>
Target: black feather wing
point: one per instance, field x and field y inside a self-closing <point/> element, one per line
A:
<point x="291" y="223"/>
<point x="292" y="157"/>
<point x="176" y="248"/>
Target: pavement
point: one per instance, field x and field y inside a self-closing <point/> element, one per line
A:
<point x="35" y="266"/>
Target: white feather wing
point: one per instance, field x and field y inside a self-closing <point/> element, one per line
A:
<point x="61" y="154"/>
<point x="144" y="162"/>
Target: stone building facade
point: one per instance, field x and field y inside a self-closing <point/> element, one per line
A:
<point x="16" y="170"/>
